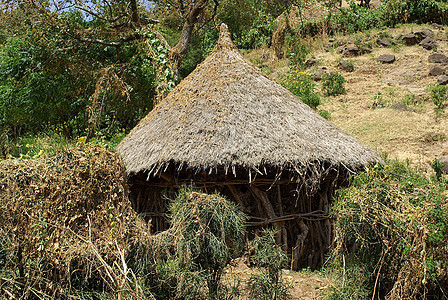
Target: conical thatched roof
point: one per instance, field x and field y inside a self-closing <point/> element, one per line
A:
<point x="227" y="114"/>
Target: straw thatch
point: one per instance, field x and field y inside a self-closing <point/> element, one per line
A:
<point x="230" y="129"/>
<point x="227" y="113"/>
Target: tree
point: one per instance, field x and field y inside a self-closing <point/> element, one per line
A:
<point x="115" y="40"/>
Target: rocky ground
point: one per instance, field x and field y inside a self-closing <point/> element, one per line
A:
<point x="387" y="104"/>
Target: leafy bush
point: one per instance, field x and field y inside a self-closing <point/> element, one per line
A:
<point x="439" y="94"/>
<point x="302" y="85"/>
<point x="333" y="84"/>
<point x="259" y="34"/>
<point x="269" y="258"/>
<point x="296" y="52"/>
<point x="206" y="232"/>
<point x="391" y="228"/>
<point x="325" y="114"/>
<point x="390" y="13"/>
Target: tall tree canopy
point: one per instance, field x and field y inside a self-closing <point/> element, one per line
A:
<point x="68" y="65"/>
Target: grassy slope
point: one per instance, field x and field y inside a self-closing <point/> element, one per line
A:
<point x="402" y="134"/>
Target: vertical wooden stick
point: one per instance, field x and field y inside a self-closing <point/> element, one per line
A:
<point x="282" y="224"/>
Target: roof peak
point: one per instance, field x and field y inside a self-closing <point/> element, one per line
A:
<point x="224" y="40"/>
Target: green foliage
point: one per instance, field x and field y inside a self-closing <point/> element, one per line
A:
<point x="297" y="52"/>
<point x="439" y="94"/>
<point x="354" y="18"/>
<point x="269" y="258"/>
<point x="437" y="167"/>
<point x="333" y="84"/>
<point x="47" y="78"/>
<point x="32" y="93"/>
<point x="352" y="280"/>
<point x="35" y="146"/>
<point x="206" y="232"/>
<point x="301" y="84"/>
<point x="390" y="226"/>
<point x="258" y="34"/>
<point x="324" y="114"/>
<point x="390" y="13"/>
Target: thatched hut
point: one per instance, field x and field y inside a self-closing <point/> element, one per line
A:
<point x="228" y="128"/>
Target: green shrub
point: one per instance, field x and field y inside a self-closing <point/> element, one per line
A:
<point x="302" y="85"/>
<point x="206" y="232"/>
<point x="297" y="52"/>
<point x="390" y="13"/>
<point x="437" y="167"/>
<point x="269" y="258"/>
<point x="391" y="229"/>
<point x="333" y="84"/>
<point x="325" y="114"/>
<point x="439" y="94"/>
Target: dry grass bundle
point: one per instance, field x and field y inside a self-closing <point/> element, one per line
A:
<point x="206" y="232"/>
<point x="391" y="224"/>
<point x="66" y="224"/>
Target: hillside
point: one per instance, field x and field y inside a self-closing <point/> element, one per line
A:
<point x="368" y="110"/>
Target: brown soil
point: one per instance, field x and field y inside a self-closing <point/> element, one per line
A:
<point x="305" y="285"/>
<point x="365" y="110"/>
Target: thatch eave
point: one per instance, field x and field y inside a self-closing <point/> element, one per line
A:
<point x="315" y="171"/>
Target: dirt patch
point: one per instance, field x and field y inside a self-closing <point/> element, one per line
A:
<point x="305" y="285"/>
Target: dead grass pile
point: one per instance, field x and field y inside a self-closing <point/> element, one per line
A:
<point x="391" y="225"/>
<point x="66" y="225"/>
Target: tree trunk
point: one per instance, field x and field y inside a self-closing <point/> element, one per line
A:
<point x="134" y="12"/>
<point x="177" y="53"/>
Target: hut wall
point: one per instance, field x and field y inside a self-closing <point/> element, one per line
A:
<point x="302" y="220"/>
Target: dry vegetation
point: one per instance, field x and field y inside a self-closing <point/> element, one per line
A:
<point x="365" y="110"/>
<point x="67" y="226"/>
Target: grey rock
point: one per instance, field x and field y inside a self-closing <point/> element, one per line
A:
<point x="444" y="162"/>
<point x="428" y="43"/>
<point x="424" y="33"/>
<point x="311" y="62"/>
<point x="351" y="52"/>
<point x="402" y="107"/>
<point x="409" y="39"/>
<point x="438" y="58"/>
<point x="383" y="42"/>
<point x="443" y="80"/>
<point x="437" y="26"/>
<point x="436" y="71"/>
<point x="386" y="58"/>
<point x="344" y="65"/>
<point x="317" y="76"/>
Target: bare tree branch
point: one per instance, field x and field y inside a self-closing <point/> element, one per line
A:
<point x="90" y="12"/>
<point x="117" y="44"/>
